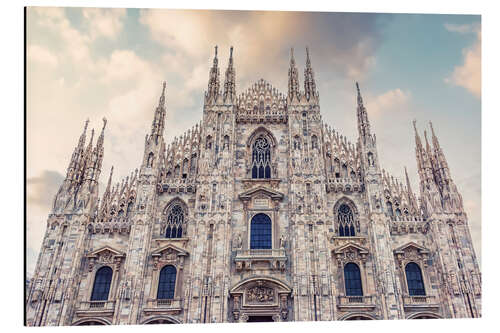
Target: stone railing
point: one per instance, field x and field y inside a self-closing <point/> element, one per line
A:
<point x="119" y="226"/>
<point x="420" y="302"/>
<point x="344" y="185"/>
<point x="177" y="185"/>
<point x="356" y="302"/>
<point x="409" y="227"/>
<point x="171" y="306"/>
<point x="96" y="307"/>
<point x="271" y="258"/>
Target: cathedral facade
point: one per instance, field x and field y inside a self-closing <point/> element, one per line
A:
<point x="261" y="212"/>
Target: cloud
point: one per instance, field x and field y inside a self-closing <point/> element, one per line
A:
<point x="468" y="75"/>
<point x="388" y="102"/>
<point x="461" y="28"/>
<point x="41" y="55"/>
<point x="104" y="22"/>
<point x="42" y="189"/>
<point x="40" y="193"/>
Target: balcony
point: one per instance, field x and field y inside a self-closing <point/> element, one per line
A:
<point x="344" y="185"/>
<point x="163" y="306"/>
<point x="177" y="185"/>
<point x="420" y="302"/>
<point x="407" y="226"/>
<point x="93" y="308"/>
<point x="356" y="303"/>
<point x="272" y="259"/>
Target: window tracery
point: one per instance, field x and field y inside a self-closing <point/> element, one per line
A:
<point x="175" y="221"/>
<point x="345" y="219"/>
<point x="261" y="158"/>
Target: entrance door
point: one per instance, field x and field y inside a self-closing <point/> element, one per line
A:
<point x="259" y="319"/>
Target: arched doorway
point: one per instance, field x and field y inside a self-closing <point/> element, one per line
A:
<point x="161" y="320"/>
<point x="359" y="318"/>
<point x="91" y="322"/>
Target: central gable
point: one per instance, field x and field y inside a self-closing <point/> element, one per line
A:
<point x="262" y="103"/>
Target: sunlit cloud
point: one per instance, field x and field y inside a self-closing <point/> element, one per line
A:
<point x="468" y="75"/>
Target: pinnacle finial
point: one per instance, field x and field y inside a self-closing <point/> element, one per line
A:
<point x="231" y="52"/>
<point x="104" y="120"/>
<point x="415" y="126"/>
<point x="216" y="51"/>
<point x="360" y="99"/>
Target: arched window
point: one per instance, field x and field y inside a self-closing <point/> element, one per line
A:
<point x="261" y="232"/>
<point x="296" y="142"/>
<point x="208" y="143"/>
<point x="185" y="165"/>
<point x="166" y="283"/>
<point x="370" y="159"/>
<point x="314" y="142"/>
<point x="261" y="158"/>
<point x="130" y="206"/>
<point x="151" y="157"/>
<point x="398" y="212"/>
<point x="389" y="208"/>
<point x="352" y="279"/>
<point x="226" y="142"/>
<point x="337" y="168"/>
<point x="414" y="280"/>
<point x="175" y="222"/>
<point x="345" y="219"/>
<point x="193" y="164"/>
<point x="102" y="282"/>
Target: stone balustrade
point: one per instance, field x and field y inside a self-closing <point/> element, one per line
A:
<point x="273" y="259"/>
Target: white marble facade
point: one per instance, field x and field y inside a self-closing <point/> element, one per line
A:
<point x="192" y="210"/>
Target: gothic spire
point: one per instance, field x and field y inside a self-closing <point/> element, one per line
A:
<point x="363" y="122"/>
<point x="77" y="153"/>
<point x="230" y="84"/>
<point x="159" y="118"/>
<point x="293" y="79"/>
<point x="213" y="80"/>
<point x="411" y="196"/>
<point x="309" y="83"/>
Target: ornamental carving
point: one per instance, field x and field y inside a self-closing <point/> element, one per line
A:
<point x="260" y="294"/>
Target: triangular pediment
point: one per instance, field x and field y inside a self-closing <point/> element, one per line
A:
<point x="409" y="246"/>
<point x="105" y="249"/>
<point x="261" y="190"/>
<point x="349" y="247"/>
<point x="178" y="250"/>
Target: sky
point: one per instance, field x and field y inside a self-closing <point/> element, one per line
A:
<point x="94" y="63"/>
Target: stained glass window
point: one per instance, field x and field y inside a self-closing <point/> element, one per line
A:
<point x="352" y="278"/>
<point x="166" y="283"/>
<point x="261" y="232"/>
<point x="414" y="280"/>
<point x="102" y="282"/>
<point x="261" y="158"/>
